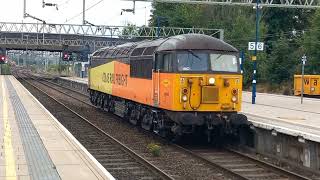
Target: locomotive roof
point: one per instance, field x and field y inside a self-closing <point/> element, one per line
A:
<point x="179" y="42"/>
<point x="189" y="41"/>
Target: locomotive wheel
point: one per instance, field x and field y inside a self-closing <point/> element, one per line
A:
<point x="91" y="98"/>
<point x="95" y="98"/>
<point x="147" y="121"/>
<point x="99" y="99"/>
<point x="133" y="117"/>
<point x="101" y="102"/>
<point x="111" y="107"/>
<point x="105" y="104"/>
<point x="159" y="127"/>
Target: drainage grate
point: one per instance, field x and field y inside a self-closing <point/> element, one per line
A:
<point x="38" y="160"/>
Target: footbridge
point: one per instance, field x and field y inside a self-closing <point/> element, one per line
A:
<point x="55" y="37"/>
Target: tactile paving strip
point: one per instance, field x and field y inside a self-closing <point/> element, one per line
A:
<point x="38" y="160"/>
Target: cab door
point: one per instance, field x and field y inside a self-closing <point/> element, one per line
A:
<point x="157" y="69"/>
<point x="156" y="87"/>
<point x="160" y="81"/>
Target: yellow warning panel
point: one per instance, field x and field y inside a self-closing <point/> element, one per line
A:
<point x="102" y="77"/>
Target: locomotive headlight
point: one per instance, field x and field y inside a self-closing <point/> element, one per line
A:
<point x="184" y="98"/>
<point x="312" y="89"/>
<point x="234" y="99"/>
<point x="212" y="81"/>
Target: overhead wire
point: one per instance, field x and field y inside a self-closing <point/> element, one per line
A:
<point x="270" y="35"/>
<point x="85" y="11"/>
<point x="117" y="15"/>
<point x="62" y="4"/>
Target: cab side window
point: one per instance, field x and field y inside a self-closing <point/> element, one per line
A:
<point x="164" y="62"/>
<point x="167" y="62"/>
<point x="158" y="62"/>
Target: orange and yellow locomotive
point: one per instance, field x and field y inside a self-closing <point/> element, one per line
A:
<point x="177" y="85"/>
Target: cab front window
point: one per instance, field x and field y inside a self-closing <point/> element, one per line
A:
<point x="194" y="61"/>
<point x="191" y="61"/>
<point x="223" y="62"/>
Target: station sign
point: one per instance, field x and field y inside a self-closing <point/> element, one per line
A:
<point x="251" y="46"/>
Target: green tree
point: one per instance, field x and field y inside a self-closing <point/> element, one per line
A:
<point x="281" y="30"/>
<point x="282" y="61"/>
<point x="312" y="45"/>
<point x="292" y="22"/>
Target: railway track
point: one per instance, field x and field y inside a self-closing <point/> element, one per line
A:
<point x="245" y="166"/>
<point x="118" y="159"/>
<point x="238" y="165"/>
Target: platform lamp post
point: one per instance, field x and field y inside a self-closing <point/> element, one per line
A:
<point x="26" y="57"/>
<point x="158" y="24"/>
<point x="84" y="12"/>
<point x="303" y="60"/>
<point x="254" y="58"/>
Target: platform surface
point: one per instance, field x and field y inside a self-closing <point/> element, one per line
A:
<point x="34" y="145"/>
<point x="76" y="79"/>
<point x="285" y="114"/>
<point x="282" y="113"/>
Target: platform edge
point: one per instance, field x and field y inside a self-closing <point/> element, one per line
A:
<point x="101" y="168"/>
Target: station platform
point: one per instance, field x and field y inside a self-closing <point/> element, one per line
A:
<point x="34" y="145"/>
<point x="281" y="113"/>
<point x="76" y="79"/>
<point x="284" y="114"/>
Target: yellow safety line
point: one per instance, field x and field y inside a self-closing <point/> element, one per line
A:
<point x="8" y="149"/>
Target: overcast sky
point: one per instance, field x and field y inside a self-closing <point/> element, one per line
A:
<point x="106" y="12"/>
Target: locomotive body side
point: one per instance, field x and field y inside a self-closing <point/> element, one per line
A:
<point x="114" y="78"/>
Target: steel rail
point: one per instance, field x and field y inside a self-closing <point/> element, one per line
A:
<point x="269" y="165"/>
<point x="264" y="164"/>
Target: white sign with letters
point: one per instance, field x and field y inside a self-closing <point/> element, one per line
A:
<point x="251" y="46"/>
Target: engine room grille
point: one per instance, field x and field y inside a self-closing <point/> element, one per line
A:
<point x="210" y="94"/>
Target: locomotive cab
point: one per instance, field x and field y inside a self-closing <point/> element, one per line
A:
<point x="206" y="88"/>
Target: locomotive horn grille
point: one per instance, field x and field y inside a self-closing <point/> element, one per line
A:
<point x="210" y="94"/>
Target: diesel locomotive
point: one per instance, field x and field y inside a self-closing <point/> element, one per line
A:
<point x="178" y="85"/>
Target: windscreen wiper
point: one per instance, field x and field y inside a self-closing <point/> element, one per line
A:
<point x="219" y="57"/>
<point x="191" y="52"/>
